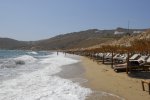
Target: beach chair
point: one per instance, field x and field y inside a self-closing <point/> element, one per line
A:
<point x="137" y="63"/>
<point x="120" y="67"/>
<point x="135" y="56"/>
<point x="148" y="60"/>
<point x="108" y="57"/>
<point x="146" y="66"/>
<point x="100" y="57"/>
<point x="120" y="59"/>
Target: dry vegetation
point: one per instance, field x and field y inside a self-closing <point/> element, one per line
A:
<point x="92" y="38"/>
<point x="133" y="44"/>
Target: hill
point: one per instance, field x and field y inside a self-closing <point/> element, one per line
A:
<point x="7" y="43"/>
<point x="126" y="40"/>
<point x="85" y="38"/>
<point x="120" y="30"/>
<point x="80" y="39"/>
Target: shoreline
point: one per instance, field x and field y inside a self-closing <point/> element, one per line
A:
<point x="105" y="83"/>
<point x="76" y="73"/>
<point x="102" y="77"/>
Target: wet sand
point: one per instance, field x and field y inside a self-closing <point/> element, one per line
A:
<point x="103" y="81"/>
<point x="71" y="71"/>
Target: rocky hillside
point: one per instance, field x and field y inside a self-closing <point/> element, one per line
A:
<point x="80" y="39"/>
<point x="127" y="39"/>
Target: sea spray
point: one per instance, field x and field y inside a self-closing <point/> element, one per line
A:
<point x="37" y="81"/>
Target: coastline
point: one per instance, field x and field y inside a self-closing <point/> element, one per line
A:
<point x="105" y="83"/>
<point x="40" y="79"/>
<point x="102" y="78"/>
<point x="74" y="72"/>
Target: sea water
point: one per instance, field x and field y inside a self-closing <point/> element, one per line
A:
<point x="30" y="75"/>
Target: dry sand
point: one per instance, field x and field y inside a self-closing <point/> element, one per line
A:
<point x="102" y="78"/>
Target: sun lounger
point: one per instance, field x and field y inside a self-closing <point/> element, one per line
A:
<point x="134" y="56"/>
<point x="108" y="57"/>
<point x="148" y="60"/>
<point x="120" y="67"/>
<point x="146" y="66"/>
<point x="138" y="61"/>
<point x="138" y="64"/>
<point x="100" y="54"/>
<point x="120" y="58"/>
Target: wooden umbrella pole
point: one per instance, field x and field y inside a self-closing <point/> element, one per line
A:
<point x="127" y="69"/>
<point x="112" y="61"/>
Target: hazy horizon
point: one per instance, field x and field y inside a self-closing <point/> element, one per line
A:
<point x="30" y="20"/>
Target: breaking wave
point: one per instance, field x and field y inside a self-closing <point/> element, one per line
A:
<point x="13" y="62"/>
<point x="34" y="79"/>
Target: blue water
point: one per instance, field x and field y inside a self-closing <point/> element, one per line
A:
<point x="16" y="53"/>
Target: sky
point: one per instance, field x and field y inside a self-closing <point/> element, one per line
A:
<point x="30" y="20"/>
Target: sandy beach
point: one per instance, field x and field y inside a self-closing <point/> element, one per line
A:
<point x="105" y="83"/>
<point x="102" y="78"/>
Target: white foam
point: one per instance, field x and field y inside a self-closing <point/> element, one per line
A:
<point x="32" y="52"/>
<point x="59" y="60"/>
<point x="42" y="84"/>
<point x="8" y="64"/>
<point x="21" y="60"/>
<point x="26" y="58"/>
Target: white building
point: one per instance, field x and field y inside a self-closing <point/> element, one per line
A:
<point x="135" y="32"/>
<point x="118" y="32"/>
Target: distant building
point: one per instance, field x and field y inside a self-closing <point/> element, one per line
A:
<point x="123" y="32"/>
<point x="136" y="32"/>
<point x="119" y="32"/>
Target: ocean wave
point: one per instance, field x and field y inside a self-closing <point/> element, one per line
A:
<point x="8" y="64"/>
<point x="43" y="84"/>
<point x="26" y="59"/>
<point x="32" y="52"/>
<point x="14" y="62"/>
